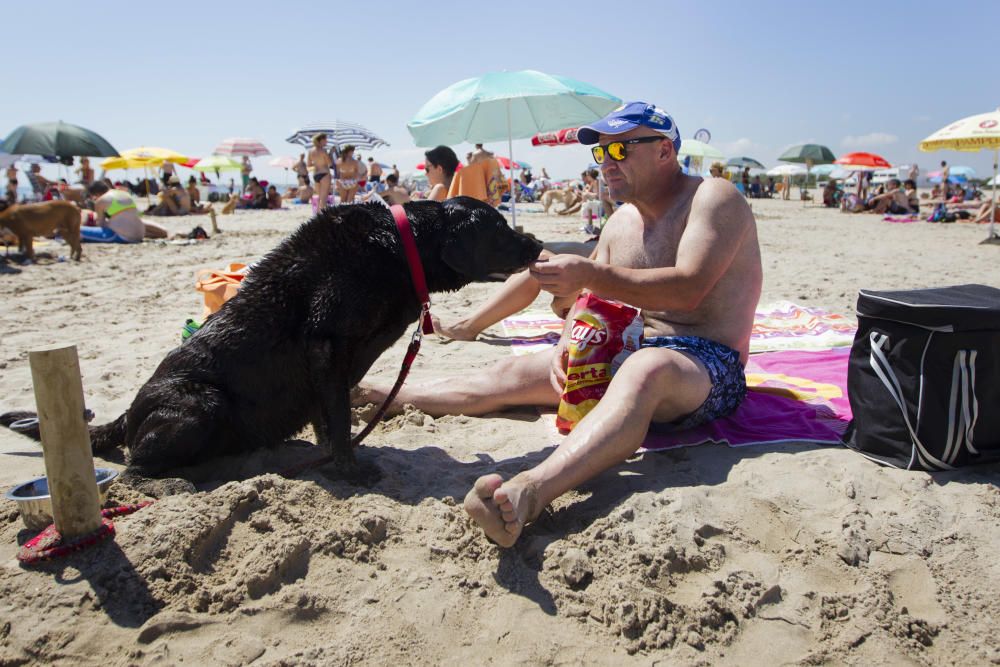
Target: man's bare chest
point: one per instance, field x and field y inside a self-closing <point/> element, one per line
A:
<point x="642" y="248"/>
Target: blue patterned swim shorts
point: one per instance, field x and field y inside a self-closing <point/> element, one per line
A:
<point x="725" y="371"/>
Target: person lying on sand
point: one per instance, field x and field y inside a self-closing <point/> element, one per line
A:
<point x="115" y="218"/>
<point x="684" y="250"/>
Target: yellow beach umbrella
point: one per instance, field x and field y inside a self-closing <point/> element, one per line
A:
<point x="143" y="157"/>
<point x="972" y="134"/>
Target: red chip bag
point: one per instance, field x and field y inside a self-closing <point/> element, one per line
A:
<point x="604" y="333"/>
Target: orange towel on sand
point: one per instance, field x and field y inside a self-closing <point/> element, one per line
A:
<point x="219" y="286"/>
<point x="482" y="180"/>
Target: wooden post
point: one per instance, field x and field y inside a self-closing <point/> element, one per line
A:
<point x="211" y="214"/>
<point x="69" y="463"/>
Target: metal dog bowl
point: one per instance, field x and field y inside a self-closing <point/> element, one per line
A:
<point x="35" y="503"/>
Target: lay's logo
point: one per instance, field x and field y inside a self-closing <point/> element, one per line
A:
<point x="588" y="332"/>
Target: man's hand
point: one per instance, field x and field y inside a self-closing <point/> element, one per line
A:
<point x="557" y="371"/>
<point x="562" y="275"/>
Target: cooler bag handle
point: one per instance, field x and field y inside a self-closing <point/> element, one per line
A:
<point x="880" y="364"/>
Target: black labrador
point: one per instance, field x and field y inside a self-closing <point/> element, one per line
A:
<point x="307" y="324"/>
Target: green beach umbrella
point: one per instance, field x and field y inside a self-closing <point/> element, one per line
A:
<point x="59" y="138"/>
<point x="744" y="162"/>
<point x="507" y="105"/>
<point x="699" y="149"/>
<point x="219" y="163"/>
<point x="806" y="153"/>
<point x="809" y="155"/>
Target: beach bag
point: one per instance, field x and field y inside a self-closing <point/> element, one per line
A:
<point x="924" y="377"/>
<point x="217" y="287"/>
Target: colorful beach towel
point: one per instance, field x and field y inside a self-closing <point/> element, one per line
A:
<point x="902" y="218"/>
<point x="780" y="326"/>
<point x="532" y="331"/>
<point x="788" y="326"/>
<point x="795" y="396"/>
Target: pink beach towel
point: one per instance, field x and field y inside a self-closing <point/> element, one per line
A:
<point x="902" y="218"/>
<point x="795" y="396"/>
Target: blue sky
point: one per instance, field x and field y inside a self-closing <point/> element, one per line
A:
<point x="875" y="76"/>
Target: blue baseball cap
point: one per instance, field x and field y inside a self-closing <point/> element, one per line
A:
<point x="628" y="117"/>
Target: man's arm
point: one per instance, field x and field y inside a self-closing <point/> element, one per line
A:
<point x="718" y="222"/>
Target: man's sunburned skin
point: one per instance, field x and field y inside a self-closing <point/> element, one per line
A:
<point x="725" y="315"/>
<point x="722" y="316"/>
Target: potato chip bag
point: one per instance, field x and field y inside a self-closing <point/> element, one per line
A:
<point x="603" y="334"/>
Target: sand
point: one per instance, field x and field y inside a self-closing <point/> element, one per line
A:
<point x="709" y="555"/>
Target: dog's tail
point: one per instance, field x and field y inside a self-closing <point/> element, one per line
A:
<point x="105" y="436"/>
<point x="108" y="436"/>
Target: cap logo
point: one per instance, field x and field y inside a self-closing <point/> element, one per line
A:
<point x="616" y="122"/>
<point x="657" y="119"/>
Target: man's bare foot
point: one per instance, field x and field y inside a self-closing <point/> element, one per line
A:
<point x="456" y="331"/>
<point x="502" y="508"/>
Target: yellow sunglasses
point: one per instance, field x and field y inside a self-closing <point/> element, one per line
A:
<point x="616" y="149"/>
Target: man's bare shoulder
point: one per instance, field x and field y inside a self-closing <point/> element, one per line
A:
<point x="718" y="201"/>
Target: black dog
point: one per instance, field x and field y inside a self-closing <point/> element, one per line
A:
<point x="305" y="327"/>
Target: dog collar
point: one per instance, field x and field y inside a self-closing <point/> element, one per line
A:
<point x="416" y="268"/>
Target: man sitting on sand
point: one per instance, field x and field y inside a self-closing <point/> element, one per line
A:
<point x="684" y="250"/>
<point x="894" y="200"/>
<point x="394" y="192"/>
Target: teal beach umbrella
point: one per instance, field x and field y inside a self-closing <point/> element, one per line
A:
<point x="507" y="105"/>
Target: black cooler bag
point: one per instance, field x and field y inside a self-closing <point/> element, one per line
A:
<point x="924" y="377"/>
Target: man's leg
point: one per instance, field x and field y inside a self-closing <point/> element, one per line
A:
<point x="510" y="382"/>
<point x="652" y="385"/>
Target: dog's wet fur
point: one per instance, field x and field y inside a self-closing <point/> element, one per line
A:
<point x="307" y="324"/>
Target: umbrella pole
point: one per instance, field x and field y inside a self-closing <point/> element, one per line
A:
<point x="510" y="151"/>
<point x="993" y="205"/>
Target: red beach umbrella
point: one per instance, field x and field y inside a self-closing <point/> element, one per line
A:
<point x="420" y="166"/>
<point x="557" y="138"/>
<point x="862" y="161"/>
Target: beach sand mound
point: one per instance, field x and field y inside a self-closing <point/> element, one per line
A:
<point x="762" y="555"/>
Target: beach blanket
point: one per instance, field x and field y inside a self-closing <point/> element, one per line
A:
<point x="902" y="218"/>
<point x="795" y="396"/>
<point x="788" y="326"/>
<point x="779" y="326"/>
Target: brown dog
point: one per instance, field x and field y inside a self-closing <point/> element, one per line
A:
<point x="567" y="197"/>
<point x="31" y="220"/>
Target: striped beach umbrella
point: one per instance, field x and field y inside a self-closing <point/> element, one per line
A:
<point x="338" y="133"/>
<point x="240" y="146"/>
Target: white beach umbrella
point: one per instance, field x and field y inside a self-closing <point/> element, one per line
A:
<point x="787" y="169"/>
<point x="974" y="133"/>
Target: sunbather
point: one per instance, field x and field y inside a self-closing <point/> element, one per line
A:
<point x="983" y="214"/>
<point x="894" y="200"/>
<point x="116" y="217"/>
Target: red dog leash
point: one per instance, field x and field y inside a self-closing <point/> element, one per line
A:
<point x="424" y="326"/>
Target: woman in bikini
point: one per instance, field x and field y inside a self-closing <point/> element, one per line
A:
<point x="349" y="172"/>
<point x="319" y="161"/>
